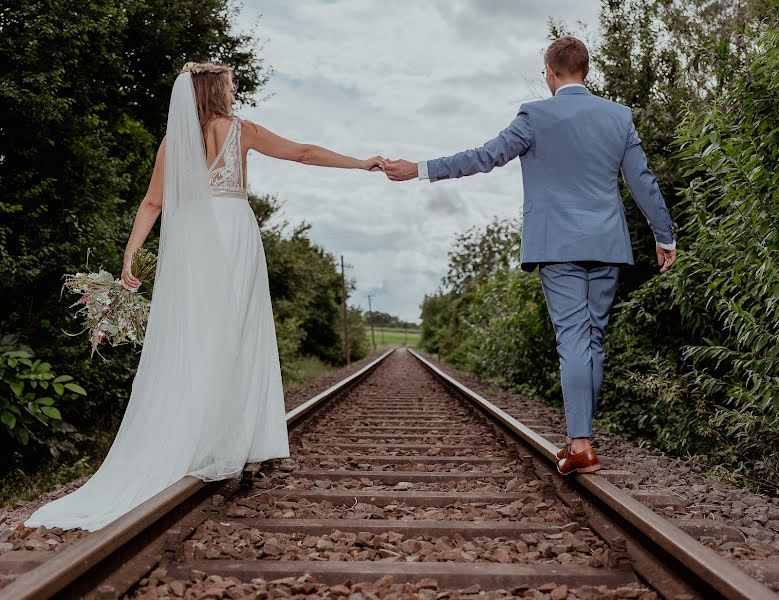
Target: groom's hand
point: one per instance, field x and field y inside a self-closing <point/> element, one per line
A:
<point x="401" y="170"/>
<point x="665" y="258"/>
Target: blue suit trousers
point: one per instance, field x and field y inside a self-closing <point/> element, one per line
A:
<point x="579" y="296"/>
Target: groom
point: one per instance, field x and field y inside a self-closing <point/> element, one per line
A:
<point x="573" y="147"/>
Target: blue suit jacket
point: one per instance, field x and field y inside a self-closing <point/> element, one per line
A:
<point x="573" y="147"/>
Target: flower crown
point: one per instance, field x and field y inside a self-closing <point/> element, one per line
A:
<point x="195" y="68"/>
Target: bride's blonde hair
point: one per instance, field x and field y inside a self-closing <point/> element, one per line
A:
<point x="210" y="81"/>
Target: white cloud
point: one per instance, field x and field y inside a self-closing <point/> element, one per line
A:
<point x="407" y="79"/>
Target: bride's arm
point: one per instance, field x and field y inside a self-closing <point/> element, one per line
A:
<point x="148" y="211"/>
<point x="262" y="140"/>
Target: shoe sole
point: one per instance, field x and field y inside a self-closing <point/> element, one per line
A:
<point x="590" y="469"/>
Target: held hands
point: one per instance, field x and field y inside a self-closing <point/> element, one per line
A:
<point x="401" y="170"/>
<point x="376" y="163"/>
<point x="665" y="258"/>
<point x="396" y="170"/>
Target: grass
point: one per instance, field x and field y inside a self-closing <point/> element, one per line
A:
<point x="304" y="370"/>
<point x="395" y="336"/>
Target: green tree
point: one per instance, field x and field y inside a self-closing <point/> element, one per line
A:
<point x="510" y="337"/>
<point x="358" y="335"/>
<point x="305" y="288"/>
<point x="476" y="256"/>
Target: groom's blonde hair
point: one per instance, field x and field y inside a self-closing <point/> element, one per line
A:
<point x="568" y="56"/>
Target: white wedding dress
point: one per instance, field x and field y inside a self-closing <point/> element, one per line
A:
<point x="207" y="397"/>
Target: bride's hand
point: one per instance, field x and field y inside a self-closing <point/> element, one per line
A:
<point x="129" y="282"/>
<point x="374" y="164"/>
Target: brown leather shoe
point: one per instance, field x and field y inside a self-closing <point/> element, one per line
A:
<point x="564" y="451"/>
<point x="580" y="462"/>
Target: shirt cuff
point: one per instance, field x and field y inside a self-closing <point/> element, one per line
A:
<point x="671" y="246"/>
<point x="422" y="166"/>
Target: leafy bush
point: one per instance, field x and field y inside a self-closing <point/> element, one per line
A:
<point x="30" y="396"/>
<point x="511" y="339"/>
<point x="726" y="288"/>
<point x="475" y="257"/>
<point x="358" y="335"/>
<point x="305" y="288"/>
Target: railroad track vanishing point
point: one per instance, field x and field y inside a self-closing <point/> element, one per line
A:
<point x="402" y="483"/>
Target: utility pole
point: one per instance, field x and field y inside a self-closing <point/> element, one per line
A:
<point x="345" y="313"/>
<point x="370" y="312"/>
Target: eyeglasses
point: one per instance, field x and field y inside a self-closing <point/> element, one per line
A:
<point x="543" y="72"/>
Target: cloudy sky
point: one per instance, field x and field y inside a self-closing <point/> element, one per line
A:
<point x="406" y="79"/>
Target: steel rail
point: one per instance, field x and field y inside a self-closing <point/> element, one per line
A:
<point x="86" y="555"/>
<point x="724" y="579"/>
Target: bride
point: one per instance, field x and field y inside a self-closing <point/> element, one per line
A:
<point x="207" y="397"/>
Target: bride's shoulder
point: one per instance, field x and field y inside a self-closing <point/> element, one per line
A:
<point x="219" y="123"/>
<point x="250" y="130"/>
<point x="246" y="124"/>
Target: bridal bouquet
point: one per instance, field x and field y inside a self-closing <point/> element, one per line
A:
<point x="108" y="310"/>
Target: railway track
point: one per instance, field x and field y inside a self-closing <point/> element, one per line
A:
<point x="401" y="483"/>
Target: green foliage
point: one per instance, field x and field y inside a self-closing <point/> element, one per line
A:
<point x="301" y="370"/>
<point x="18" y="486"/>
<point x="382" y="319"/>
<point x="439" y="323"/>
<point x="289" y="335"/>
<point x="478" y="254"/>
<point x="656" y="57"/>
<point x="305" y="287"/>
<point x="358" y="335"/>
<point x="711" y="379"/>
<point x="511" y="340"/>
<point x="30" y="397"/>
<point x="497" y="325"/>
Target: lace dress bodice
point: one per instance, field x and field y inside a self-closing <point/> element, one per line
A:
<point x="226" y="172"/>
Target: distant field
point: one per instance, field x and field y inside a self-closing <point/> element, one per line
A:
<point x="393" y="336"/>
